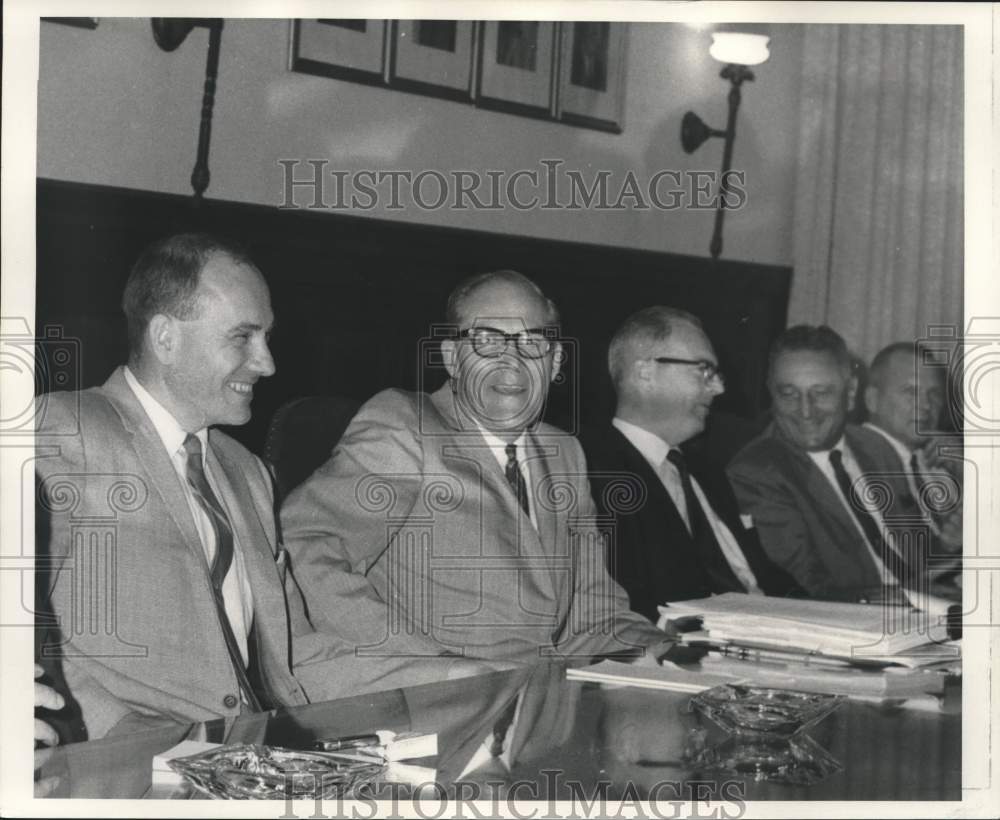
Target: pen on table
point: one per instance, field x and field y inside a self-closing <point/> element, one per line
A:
<point x="351" y="742"/>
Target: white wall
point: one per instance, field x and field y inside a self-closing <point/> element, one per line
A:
<point x="115" y="110"/>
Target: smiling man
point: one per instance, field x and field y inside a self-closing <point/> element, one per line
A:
<point x="458" y="520"/>
<point x="828" y="498"/>
<point x="677" y="530"/>
<point x="157" y="531"/>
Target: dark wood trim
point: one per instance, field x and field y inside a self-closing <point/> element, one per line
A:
<point x="357" y="298"/>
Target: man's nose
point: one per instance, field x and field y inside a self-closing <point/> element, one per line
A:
<point x="262" y="361"/>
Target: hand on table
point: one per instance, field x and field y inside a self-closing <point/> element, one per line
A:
<point x="45" y="736"/>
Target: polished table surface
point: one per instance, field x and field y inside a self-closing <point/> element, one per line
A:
<point x="571" y="739"/>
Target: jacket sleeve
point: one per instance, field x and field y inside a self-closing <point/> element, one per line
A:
<point x="336" y="527"/>
<point x="599" y="621"/>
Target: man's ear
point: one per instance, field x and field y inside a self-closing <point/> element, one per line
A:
<point x="852" y="390"/>
<point x="449" y="352"/>
<point x="557" y="360"/>
<point x="162" y="338"/>
<point x="642" y="371"/>
<point x="870" y="397"/>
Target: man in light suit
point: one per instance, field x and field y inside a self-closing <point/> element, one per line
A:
<point x="170" y="587"/>
<point x="677" y="530"/>
<point x="904" y="401"/>
<point x="824" y="493"/>
<point x="457" y="520"/>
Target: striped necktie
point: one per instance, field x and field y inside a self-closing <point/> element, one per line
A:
<point x="221" y="563"/>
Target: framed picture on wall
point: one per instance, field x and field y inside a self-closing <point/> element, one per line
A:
<point x="517" y="66"/>
<point x="352" y="50"/>
<point x="592" y="74"/>
<point x="433" y="57"/>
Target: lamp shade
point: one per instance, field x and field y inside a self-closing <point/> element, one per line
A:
<point x="740" y="48"/>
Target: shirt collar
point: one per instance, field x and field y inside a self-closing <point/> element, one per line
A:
<point x="170" y="432"/>
<point x="653" y="448"/>
<point x="499" y="447"/>
<point x="823" y="456"/>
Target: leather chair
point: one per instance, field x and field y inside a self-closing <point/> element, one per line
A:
<point x="303" y="434"/>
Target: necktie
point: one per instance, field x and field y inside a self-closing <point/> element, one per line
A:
<point x="501" y="727"/>
<point x="221" y="563"/>
<point x="920" y="480"/>
<point x="893" y="561"/>
<point x="513" y="473"/>
<point x="709" y="552"/>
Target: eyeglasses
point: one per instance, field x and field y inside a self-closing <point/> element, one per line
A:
<point x="490" y="343"/>
<point x="708" y="370"/>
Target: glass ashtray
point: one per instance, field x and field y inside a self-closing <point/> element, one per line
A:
<point x="797" y="760"/>
<point x="742" y="709"/>
<point x="255" y="772"/>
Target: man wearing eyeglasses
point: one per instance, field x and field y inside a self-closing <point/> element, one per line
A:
<point x="459" y="521"/>
<point x="677" y="531"/>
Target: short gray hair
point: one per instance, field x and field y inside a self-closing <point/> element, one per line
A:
<point x="642" y="330"/>
<point x="462" y="291"/>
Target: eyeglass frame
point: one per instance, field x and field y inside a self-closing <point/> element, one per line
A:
<point x="709" y="370"/>
<point x="547" y="334"/>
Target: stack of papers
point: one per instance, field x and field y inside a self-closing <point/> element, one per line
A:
<point x="860" y="633"/>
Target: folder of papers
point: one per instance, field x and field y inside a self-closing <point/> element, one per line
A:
<point x="822" y="631"/>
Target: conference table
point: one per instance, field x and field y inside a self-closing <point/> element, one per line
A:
<point x="570" y="740"/>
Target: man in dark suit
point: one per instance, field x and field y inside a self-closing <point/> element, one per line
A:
<point x="828" y="497"/>
<point x="168" y="582"/>
<point x="675" y="531"/>
<point x="457" y="520"/>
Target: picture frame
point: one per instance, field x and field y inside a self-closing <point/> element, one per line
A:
<point x="348" y="49"/>
<point x="433" y="57"/>
<point x="76" y="22"/>
<point x="517" y="67"/>
<point x="591" y="89"/>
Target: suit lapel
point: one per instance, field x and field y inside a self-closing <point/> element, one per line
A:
<point x="466" y="441"/>
<point x="149" y="450"/>
<point x="550" y="525"/>
<point x="827" y="498"/>
<point x="658" y="503"/>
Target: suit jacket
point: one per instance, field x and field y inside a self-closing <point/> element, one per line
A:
<point x="803" y="524"/>
<point x="130" y="584"/>
<point x="411" y="537"/>
<point x="652" y="554"/>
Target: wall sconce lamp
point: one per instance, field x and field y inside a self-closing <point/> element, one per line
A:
<point x="169" y="33"/>
<point x="737" y="50"/>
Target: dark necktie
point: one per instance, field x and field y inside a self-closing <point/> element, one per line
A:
<point x="501" y="727"/>
<point x="515" y="479"/>
<point x="920" y="480"/>
<point x="893" y="561"/>
<point x="221" y="563"/>
<point x="713" y="560"/>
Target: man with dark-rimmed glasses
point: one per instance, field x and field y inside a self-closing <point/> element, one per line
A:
<point x="677" y="531"/>
<point x="457" y="520"/>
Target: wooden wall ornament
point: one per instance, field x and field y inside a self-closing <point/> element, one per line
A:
<point x="169" y="33"/>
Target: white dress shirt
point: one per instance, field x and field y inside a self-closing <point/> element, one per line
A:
<point x="499" y="449"/>
<point x="236" y="592"/>
<point x="821" y="459"/>
<point x="654" y="449"/>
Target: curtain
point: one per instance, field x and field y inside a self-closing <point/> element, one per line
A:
<point x="878" y="203"/>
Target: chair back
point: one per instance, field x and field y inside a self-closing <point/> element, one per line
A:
<point x="303" y="434"/>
